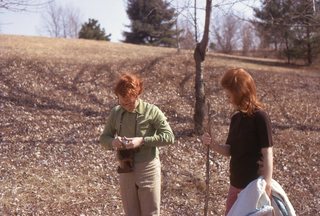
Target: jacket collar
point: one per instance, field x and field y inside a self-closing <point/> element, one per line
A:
<point x="139" y="109"/>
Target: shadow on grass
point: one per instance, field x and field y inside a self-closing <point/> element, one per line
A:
<point x="260" y="61"/>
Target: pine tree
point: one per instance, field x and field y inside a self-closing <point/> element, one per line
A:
<point x="152" y="22"/>
<point x="91" y="30"/>
<point x="273" y="22"/>
<point x="306" y="42"/>
<point x="290" y="25"/>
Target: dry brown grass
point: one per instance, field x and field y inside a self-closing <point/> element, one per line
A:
<point x="76" y="50"/>
<point x="55" y="95"/>
<point x="262" y="64"/>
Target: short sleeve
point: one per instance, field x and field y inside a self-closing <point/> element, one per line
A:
<point x="264" y="129"/>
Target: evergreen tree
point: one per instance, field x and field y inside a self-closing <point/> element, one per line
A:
<point x="306" y="42"/>
<point x="91" y="30"/>
<point x="290" y="25"/>
<point x="152" y="22"/>
<point x="272" y="23"/>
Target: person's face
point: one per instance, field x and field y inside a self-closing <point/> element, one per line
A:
<point x="230" y="97"/>
<point x="128" y="103"/>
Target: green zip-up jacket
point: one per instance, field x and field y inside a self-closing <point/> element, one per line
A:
<point x="147" y="121"/>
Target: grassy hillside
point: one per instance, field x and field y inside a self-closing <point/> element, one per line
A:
<point x="55" y="95"/>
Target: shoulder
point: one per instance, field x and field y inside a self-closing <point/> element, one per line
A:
<point x="262" y="117"/>
<point x="149" y="107"/>
<point x="261" y="114"/>
<point x="151" y="111"/>
<point x="235" y="115"/>
<point x="116" y="109"/>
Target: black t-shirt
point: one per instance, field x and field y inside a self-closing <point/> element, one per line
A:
<point x="247" y="136"/>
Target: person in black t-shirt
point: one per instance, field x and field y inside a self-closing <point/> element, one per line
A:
<point x="249" y="142"/>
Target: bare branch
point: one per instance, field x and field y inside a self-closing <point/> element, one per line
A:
<point x="61" y="21"/>
<point x="23" y="5"/>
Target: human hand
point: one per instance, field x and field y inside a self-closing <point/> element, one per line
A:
<point x="206" y="139"/>
<point x="119" y="143"/>
<point x="134" y="142"/>
<point x="261" y="173"/>
<point x="269" y="190"/>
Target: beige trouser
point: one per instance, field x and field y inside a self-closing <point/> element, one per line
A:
<point x="141" y="189"/>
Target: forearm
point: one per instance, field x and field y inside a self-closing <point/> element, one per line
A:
<point x="162" y="139"/>
<point x="107" y="137"/>
<point x="108" y="133"/>
<point x="221" y="149"/>
<point x="267" y="161"/>
<point x="106" y="141"/>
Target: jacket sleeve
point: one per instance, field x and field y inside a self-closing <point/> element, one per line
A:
<point x="109" y="132"/>
<point x="164" y="134"/>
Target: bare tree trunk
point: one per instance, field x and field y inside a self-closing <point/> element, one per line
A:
<point x="199" y="91"/>
<point x="195" y="22"/>
<point x="288" y="51"/>
<point x="177" y="36"/>
<point x="206" y="203"/>
<point x="61" y="21"/>
<point x="309" y="46"/>
<point x="199" y="56"/>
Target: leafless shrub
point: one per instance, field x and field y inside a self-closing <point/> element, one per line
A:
<point x="61" y="21"/>
<point x="226" y="34"/>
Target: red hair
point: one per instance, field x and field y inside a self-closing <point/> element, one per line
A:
<point x="129" y="85"/>
<point x="243" y="89"/>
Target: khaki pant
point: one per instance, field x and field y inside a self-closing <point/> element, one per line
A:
<point x="141" y="189"/>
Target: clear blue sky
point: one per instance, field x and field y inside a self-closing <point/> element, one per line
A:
<point x="111" y="15"/>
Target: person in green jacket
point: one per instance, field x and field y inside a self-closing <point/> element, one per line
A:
<point x="135" y="129"/>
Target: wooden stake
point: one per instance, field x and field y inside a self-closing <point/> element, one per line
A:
<point x="207" y="164"/>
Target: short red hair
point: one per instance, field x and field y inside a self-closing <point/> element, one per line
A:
<point x="129" y="85"/>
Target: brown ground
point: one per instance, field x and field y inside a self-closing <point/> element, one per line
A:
<point x="55" y="95"/>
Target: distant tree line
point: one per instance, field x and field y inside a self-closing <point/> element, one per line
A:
<point x="152" y="23"/>
<point x="290" y="27"/>
<point x="66" y="22"/>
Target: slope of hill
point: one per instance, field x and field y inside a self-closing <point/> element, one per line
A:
<point x="55" y="95"/>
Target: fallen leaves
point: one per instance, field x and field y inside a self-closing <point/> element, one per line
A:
<point x="53" y="110"/>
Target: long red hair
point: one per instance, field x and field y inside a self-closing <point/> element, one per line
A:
<point x="243" y="89"/>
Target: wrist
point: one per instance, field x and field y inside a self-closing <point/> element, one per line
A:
<point x="212" y="145"/>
